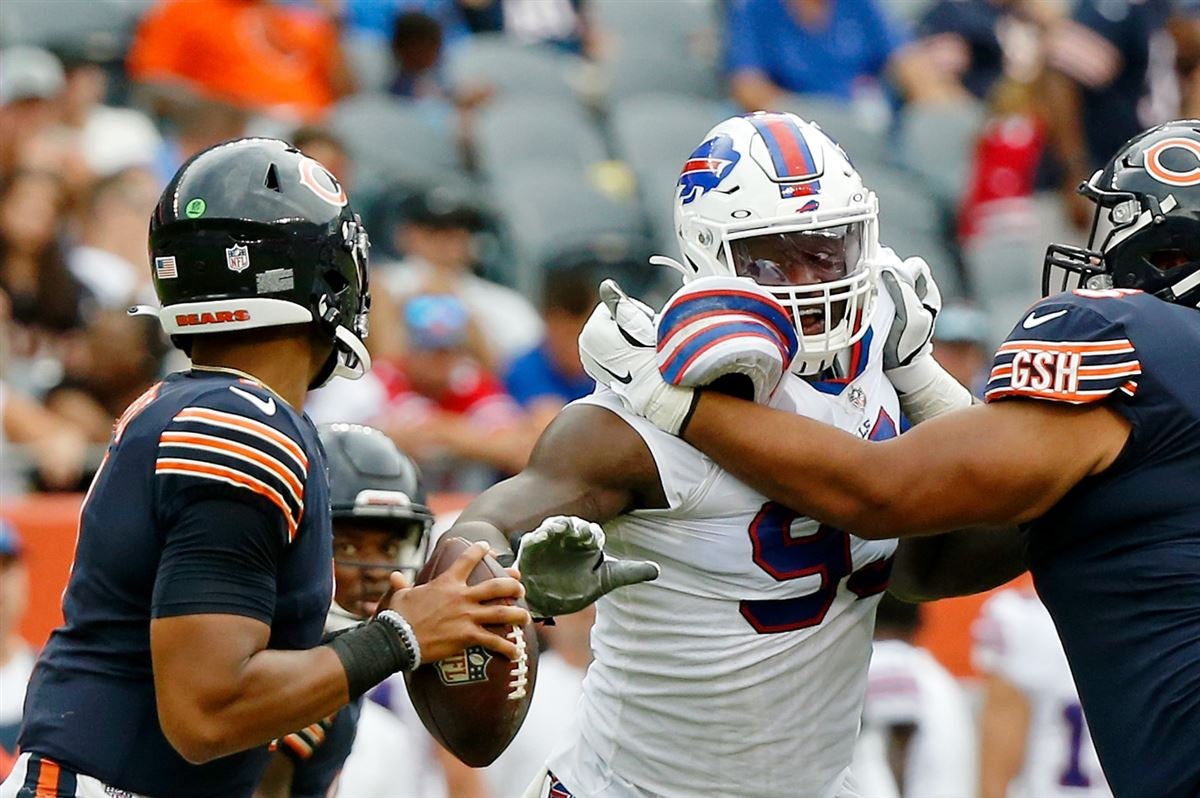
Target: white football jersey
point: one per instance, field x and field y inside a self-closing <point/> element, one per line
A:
<point x="907" y="686"/>
<point x="1015" y="639"/>
<point x="741" y="670"/>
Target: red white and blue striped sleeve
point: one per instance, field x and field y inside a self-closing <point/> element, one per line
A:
<point x="247" y="458"/>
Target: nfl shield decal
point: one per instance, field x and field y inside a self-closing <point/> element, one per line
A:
<point x="465" y="668"/>
<point x="707" y="167"/>
<point x="237" y="258"/>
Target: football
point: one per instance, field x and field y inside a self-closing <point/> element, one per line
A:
<point x="474" y="702"/>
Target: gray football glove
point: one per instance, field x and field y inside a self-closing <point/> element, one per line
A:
<point x="564" y="568"/>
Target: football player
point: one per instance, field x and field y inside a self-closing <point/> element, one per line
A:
<point x="1035" y="739"/>
<point x="202" y="574"/>
<point x="380" y="524"/>
<point x="741" y="669"/>
<point x="1090" y="438"/>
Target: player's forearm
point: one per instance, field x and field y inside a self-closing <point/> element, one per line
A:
<point x="938" y="477"/>
<point x="814" y="468"/>
<point x="273" y="694"/>
<point x="958" y="563"/>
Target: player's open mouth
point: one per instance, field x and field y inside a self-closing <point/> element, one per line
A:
<point x="812" y="320"/>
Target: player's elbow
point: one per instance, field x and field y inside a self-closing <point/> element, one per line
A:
<point x="197" y="737"/>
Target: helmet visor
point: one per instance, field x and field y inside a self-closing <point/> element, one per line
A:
<point x="803" y="257"/>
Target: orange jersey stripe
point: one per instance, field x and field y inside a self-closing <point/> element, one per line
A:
<point x="210" y="471"/>
<point x="247" y="424"/>
<point x="1080" y="397"/>
<point x="1115" y="370"/>
<point x="47" y="783"/>
<point x="233" y="447"/>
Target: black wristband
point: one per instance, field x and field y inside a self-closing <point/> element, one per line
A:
<point x="370" y="654"/>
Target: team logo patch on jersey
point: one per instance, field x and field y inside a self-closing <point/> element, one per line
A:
<point x="707" y="167"/>
<point x="467" y="667"/>
<point x="858" y="398"/>
<point x="237" y="258"/>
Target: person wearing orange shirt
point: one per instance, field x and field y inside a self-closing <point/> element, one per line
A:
<point x="254" y="54"/>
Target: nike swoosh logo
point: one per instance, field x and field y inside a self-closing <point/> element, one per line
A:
<point x="628" y="378"/>
<point x="1034" y="320"/>
<point x="267" y="406"/>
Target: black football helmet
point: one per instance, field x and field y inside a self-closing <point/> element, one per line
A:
<point x="1146" y="232"/>
<point x="253" y="233"/>
<point x="371" y="481"/>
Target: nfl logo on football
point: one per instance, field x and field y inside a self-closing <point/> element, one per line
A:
<point x="237" y="258"/>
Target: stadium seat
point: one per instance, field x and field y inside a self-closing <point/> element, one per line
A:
<point x="548" y="212"/>
<point x="370" y="58"/>
<point x="938" y="143"/>
<point x="101" y="28"/>
<point x="509" y="67"/>
<point x="905" y="203"/>
<point x="1004" y="271"/>
<point x="676" y="18"/>
<point x="865" y="145"/>
<point x="513" y="132"/>
<point x="654" y="130"/>
<point x="659" y="70"/>
<point x="392" y="139"/>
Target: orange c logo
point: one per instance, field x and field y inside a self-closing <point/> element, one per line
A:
<point x="1165" y="174"/>
<point x="310" y="174"/>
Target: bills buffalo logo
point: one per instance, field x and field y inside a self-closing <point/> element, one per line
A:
<point x="211" y="317"/>
<point x="465" y="667"/>
<point x="707" y="167"/>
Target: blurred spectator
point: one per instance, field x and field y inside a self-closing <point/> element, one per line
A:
<point x="1107" y="65"/>
<point x="447" y="410"/>
<point x="106" y="139"/>
<point x="31" y="80"/>
<point x="377" y="17"/>
<point x="821" y="47"/>
<point x="416" y="52"/>
<point x="565" y="655"/>
<point x="549" y="376"/>
<point x="1035" y="741"/>
<point x="919" y="710"/>
<point x="16" y="655"/>
<point x="961" y="345"/>
<point x="54" y="450"/>
<point x="110" y="260"/>
<point x="437" y="237"/>
<point x="194" y="124"/>
<point x="980" y="42"/>
<point x="323" y="146"/>
<point x="109" y="365"/>
<point x="42" y="294"/>
<point x="261" y="55"/>
<point x="555" y="22"/>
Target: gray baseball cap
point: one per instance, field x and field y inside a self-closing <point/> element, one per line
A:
<point x="29" y="73"/>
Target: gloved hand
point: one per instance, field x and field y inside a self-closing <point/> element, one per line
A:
<point x="907" y="352"/>
<point x="564" y="568"/>
<point x="617" y="348"/>
<point x="717" y="326"/>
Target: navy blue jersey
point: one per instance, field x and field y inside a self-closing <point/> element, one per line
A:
<point x="319" y="752"/>
<point x="200" y="439"/>
<point x="1117" y="560"/>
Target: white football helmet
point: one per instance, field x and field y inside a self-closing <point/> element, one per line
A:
<point x="769" y="196"/>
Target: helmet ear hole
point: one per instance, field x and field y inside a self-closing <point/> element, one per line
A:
<point x="271" y="180"/>
<point x="337" y="282"/>
<point x="1167" y="259"/>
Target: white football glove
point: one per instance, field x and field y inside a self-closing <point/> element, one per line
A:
<point x="717" y="326"/>
<point x="918" y="301"/>
<point x="617" y="348"/>
<point x="926" y="389"/>
<point x="564" y="568"/>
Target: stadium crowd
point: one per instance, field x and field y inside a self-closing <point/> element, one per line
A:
<point x="506" y="154"/>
